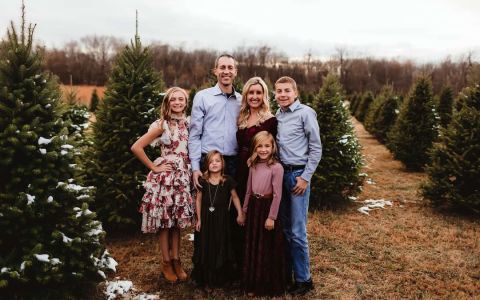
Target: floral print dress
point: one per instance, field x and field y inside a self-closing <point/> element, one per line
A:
<point x="168" y="200"/>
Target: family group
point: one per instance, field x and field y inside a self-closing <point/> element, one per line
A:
<point x="240" y="176"/>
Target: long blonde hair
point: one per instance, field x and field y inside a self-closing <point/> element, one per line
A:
<point x="264" y="112"/>
<point x="261" y="137"/>
<point x="165" y="111"/>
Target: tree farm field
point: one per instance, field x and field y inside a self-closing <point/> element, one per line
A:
<point x="405" y="251"/>
<point x="83" y="92"/>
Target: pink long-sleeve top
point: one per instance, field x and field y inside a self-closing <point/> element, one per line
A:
<point x="264" y="179"/>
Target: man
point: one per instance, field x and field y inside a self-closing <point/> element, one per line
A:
<point x="213" y="126"/>
<point x="300" y="151"/>
<point x="214" y="117"/>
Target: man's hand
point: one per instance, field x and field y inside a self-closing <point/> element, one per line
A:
<point x="300" y="187"/>
<point x="196" y="175"/>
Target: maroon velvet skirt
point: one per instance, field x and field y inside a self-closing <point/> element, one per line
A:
<point x="264" y="260"/>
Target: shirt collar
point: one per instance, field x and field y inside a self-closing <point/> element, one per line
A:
<point x="217" y="91"/>
<point x="292" y="106"/>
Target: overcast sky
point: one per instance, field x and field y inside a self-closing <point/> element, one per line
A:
<point x="424" y="30"/>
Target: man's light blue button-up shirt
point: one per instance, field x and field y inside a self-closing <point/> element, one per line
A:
<point x="213" y="124"/>
<point x="298" y="138"/>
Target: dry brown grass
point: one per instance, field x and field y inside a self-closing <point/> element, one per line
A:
<point x="84" y="92"/>
<point x="408" y="251"/>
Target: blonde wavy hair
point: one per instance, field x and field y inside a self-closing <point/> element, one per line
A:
<point x="261" y="137"/>
<point x="264" y="112"/>
<point x="165" y="111"/>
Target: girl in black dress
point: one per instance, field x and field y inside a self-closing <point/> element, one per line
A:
<point x="213" y="256"/>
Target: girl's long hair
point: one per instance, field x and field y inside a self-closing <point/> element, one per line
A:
<point x="165" y="111"/>
<point x="208" y="159"/>
<point x="264" y="112"/>
<point x="261" y="137"/>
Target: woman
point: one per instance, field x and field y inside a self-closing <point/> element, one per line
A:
<point x="255" y="116"/>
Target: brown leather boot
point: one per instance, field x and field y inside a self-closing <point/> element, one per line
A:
<point x="177" y="266"/>
<point x="168" y="272"/>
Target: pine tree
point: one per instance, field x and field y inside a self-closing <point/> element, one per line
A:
<point x="445" y="106"/>
<point x="416" y="127"/>
<point x="363" y="106"/>
<point x="354" y="99"/>
<point x="337" y="176"/>
<point x="94" y="101"/>
<point x="51" y="245"/>
<point x="454" y="171"/>
<point x="191" y="95"/>
<point x="130" y="105"/>
<point x="382" y="114"/>
<point x="76" y="116"/>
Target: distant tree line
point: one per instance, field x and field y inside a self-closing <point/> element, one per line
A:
<point x="89" y="61"/>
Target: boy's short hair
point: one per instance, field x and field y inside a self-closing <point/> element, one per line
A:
<point x="287" y="79"/>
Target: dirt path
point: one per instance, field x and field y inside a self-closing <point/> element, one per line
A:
<point x="404" y="251"/>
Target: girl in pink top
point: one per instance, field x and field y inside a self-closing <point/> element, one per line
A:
<point x="264" y="260"/>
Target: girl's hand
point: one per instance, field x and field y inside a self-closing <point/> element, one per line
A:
<point x="165" y="167"/>
<point x="241" y="218"/>
<point x="269" y="224"/>
<point x="198" y="225"/>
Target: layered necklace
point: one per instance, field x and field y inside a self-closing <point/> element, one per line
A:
<point x="212" y="202"/>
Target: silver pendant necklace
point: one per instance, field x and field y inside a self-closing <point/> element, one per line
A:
<point x="212" y="202"/>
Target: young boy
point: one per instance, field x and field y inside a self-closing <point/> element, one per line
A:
<point x="300" y="151"/>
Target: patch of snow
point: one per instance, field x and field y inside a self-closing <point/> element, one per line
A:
<point x="5" y="270"/>
<point x="101" y="273"/>
<point x="115" y="288"/>
<point x="49" y="199"/>
<point x="42" y="257"/>
<point x="43" y="151"/>
<point x="67" y="146"/>
<point x="65" y="238"/>
<point x="373" y="204"/>
<point x="44" y="141"/>
<point x="146" y="297"/>
<point x="30" y="199"/>
<point x="63" y="152"/>
<point x="22" y="266"/>
<point x="48" y="105"/>
<point x="55" y="261"/>
<point x="370" y="181"/>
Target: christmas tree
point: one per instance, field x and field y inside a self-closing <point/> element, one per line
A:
<point x="382" y="114"/>
<point x="445" y="106"/>
<point x="130" y="105"/>
<point x="363" y="106"/>
<point x="416" y="127"/>
<point x="51" y="245"/>
<point x="94" y="101"/>
<point x="337" y="176"/>
<point x="454" y="171"/>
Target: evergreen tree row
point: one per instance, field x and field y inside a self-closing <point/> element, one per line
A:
<point x="130" y="104"/>
<point x="51" y="244"/>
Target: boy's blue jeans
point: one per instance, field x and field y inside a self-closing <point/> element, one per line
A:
<point x="294" y="214"/>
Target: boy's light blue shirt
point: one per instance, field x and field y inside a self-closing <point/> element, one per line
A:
<point x="213" y="124"/>
<point x="298" y="138"/>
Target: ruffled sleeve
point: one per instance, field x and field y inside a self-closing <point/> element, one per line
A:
<point x="165" y="137"/>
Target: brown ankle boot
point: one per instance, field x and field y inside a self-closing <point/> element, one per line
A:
<point x="168" y="272"/>
<point x="177" y="266"/>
